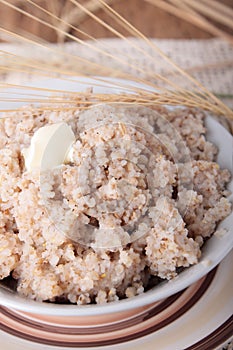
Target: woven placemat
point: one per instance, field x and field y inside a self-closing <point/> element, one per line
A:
<point x="210" y="61"/>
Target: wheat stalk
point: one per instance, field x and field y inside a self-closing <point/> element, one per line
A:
<point x="166" y="91"/>
<point x="188" y="14"/>
<point x="208" y="11"/>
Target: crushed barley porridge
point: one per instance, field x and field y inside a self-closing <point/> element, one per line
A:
<point x="140" y="197"/>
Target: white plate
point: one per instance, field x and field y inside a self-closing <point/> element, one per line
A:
<point x="199" y="319"/>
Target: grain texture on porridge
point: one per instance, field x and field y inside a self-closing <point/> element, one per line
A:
<point x="143" y="187"/>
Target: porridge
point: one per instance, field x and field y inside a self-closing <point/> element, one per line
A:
<point x="136" y="199"/>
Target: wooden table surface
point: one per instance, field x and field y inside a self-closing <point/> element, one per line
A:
<point x="153" y="22"/>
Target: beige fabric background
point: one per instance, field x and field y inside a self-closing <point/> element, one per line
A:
<point x="210" y="61"/>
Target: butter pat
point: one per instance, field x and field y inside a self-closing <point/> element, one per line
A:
<point x="50" y="147"/>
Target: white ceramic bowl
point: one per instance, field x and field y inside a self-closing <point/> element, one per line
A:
<point x="213" y="252"/>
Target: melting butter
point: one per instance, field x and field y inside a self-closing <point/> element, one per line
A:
<point x="50" y="147"/>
